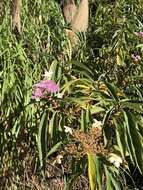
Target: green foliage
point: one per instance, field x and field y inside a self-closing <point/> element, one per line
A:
<point x="91" y="171"/>
<point x="98" y="80"/>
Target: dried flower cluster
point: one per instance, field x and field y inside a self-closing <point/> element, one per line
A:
<point x="90" y="142"/>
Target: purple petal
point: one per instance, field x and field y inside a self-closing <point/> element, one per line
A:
<point x="136" y="58"/>
<point x="48" y="85"/>
<point x="37" y="93"/>
<point x="133" y="56"/>
<point x="140" y="34"/>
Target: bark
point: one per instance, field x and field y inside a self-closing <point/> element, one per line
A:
<point x="69" y="10"/>
<point x="80" y="20"/>
<point x="16" y="11"/>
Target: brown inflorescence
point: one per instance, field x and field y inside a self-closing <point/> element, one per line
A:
<point x="84" y="143"/>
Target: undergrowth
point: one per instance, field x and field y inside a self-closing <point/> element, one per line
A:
<point x="69" y="139"/>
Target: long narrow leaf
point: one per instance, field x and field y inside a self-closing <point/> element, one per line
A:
<point x="41" y="139"/>
<point x="91" y="171"/>
<point x="134" y="139"/>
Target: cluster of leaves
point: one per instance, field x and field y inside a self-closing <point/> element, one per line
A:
<point x="98" y="79"/>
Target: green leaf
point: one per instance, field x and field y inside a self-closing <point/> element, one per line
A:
<point x="99" y="173"/>
<point x="80" y="66"/>
<point x="82" y="81"/>
<point x="120" y="136"/>
<point x="52" y="126"/>
<point x="91" y="171"/>
<point x="103" y="95"/>
<point x="112" y="91"/>
<point x="112" y="180"/>
<point x="81" y="101"/>
<point x="96" y="109"/>
<point x="56" y="69"/>
<point x="42" y="139"/>
<point x="54" y="149"/>
<point x="134" y="106"/>
<point x="134" y="138"/>
<point x="107" y="130"/>
<point x="108" y="180"/>
<point x="87" y="116"/>
<point x="82" y="121"/>
<point x="115" y="182"/>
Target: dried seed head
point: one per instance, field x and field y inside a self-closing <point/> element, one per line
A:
<point x="72" y="37"/>
<point x="91" y="142"/>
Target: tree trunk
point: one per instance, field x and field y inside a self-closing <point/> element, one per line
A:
<point x="80" y="20"/>
<point x="16" y="10"/>
<point x="69" y="10"/>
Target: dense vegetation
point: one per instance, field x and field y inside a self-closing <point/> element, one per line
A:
<point x="90" y="133"/>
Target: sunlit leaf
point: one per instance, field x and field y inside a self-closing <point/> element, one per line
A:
<point x="91" y="171"/>
<point x="134" y="138"/>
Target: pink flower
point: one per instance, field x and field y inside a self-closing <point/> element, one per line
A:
<point x="47" y="85"/>
<point x="139" y="34"/>
<point x="37" y="93"/>
<point x="136" y="58"/>
<point x="44" y="86"/>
